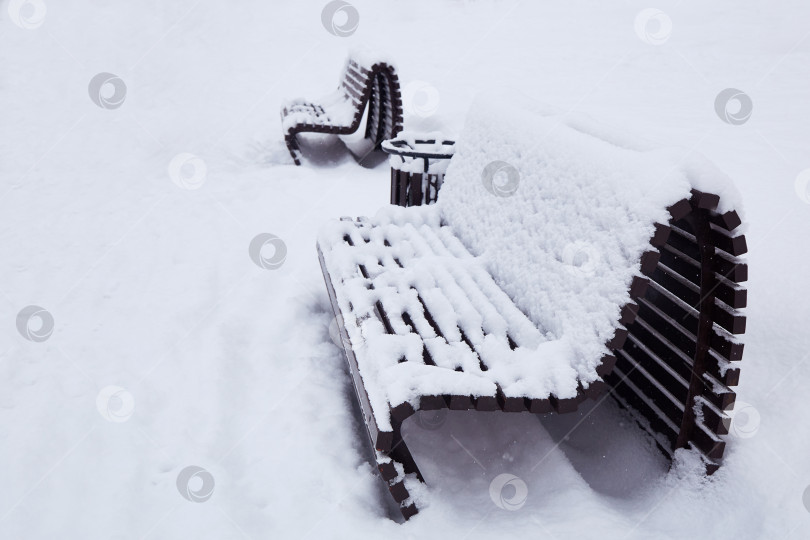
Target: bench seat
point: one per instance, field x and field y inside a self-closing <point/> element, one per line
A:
<point x="436" y="323"/>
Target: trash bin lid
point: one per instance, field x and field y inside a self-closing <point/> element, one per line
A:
<point x="420" y="146"/>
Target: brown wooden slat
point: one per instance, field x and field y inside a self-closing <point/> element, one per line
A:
<point x="651" y="388"/>
<point x="684" y="266"/>
<point x="680" y="317"/>
<point x="426" y="357"/>
<point x="359" y="81"/>
<point x="680" y="209"/>
<point x="661" y="235"/>
<point x="731" y="270"/>
<point x="732" y="321"/>
<point x="431" y="403"/>
<point x="728" y="373"/>
<point x="398" y="491"/>
<point x="628" y="313"/>
<point x="662" y="363"/>
<point x="382" y="315"/>
<point x="486" y="403"/>
<point x="403" y="187"/>
<point x="627" y="391"/>
<point x="715" y="422"/>
<point x="564" y="405"/>
<point x="395" y="186"/>
<point x="401" y="412"/>
<point x="677" y="285"/>
<point x="374" y="109"/>
<point x="387" y="470"/>
<point x="595" y="389"/>
<point x="362" y="69"/>
<point x="460" y="403"/>
<point x="510" y="404"/>
<point x="408" y="511"/>
<point x="684" y="242"/>
<point x="729" y="221"/>
<point x="676" y="359"/>
<point x="415" y="192"/>
<point x="678" y="336"/>
<point x="708" y="443"/>
<point x="606" y="365"/>
<point x="638" y="287"/>
<point x="717" y="394"/>
<point x="357" y="94"/>
<point x="649" y="261"/>
<point x="734" y="296"/>
<point x="653" y="338"/>
<point x="705" y="201"/>
<point x="619" y="337"/>
<point x="357" y="76"/>
<point x="726" y="348"/>
<point x="539" y="406"/>
<point x="734" y="245"/>
<point x="731" y="376"/>
<point x="381" y="107"/>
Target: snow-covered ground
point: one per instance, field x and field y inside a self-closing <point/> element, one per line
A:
<point x="171" y="348"/>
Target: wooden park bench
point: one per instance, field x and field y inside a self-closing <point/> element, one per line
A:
<point x="365" y="82"/>
<point x="594" y="264"/>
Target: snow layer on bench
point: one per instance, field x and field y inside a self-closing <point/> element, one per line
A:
<point x="544" y="257"/>
<point x="560" y="210"/>
<point x="339" y="106"/>
<point x="411" y="263"/>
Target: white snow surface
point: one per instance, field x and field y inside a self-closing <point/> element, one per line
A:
<point x="231" y="367"/>
<point x="425" y="263"/>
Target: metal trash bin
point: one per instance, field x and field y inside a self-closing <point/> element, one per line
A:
<point x="418" y="163"/>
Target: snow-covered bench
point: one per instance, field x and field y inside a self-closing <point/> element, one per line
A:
<point x="365" y="81"/>
<point x="595" y="262"/>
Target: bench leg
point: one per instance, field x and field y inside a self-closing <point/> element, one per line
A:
<point x="292" y="146"/>
<point x="394" y="465"/>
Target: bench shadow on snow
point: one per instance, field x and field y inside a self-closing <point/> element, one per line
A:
<point x="460" y="452"/>
<point x="606" y="447"/>
<point x="598" y="450"/>
<point x="325" y="150"/>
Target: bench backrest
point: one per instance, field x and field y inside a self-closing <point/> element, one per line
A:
<point x="561" y="216"/>
<point x="372" y="78"/>
<point x="354" y="80"/>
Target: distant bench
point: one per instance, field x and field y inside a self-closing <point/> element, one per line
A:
<point x="365" y="84"/>
<point x="426" y="323"/>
